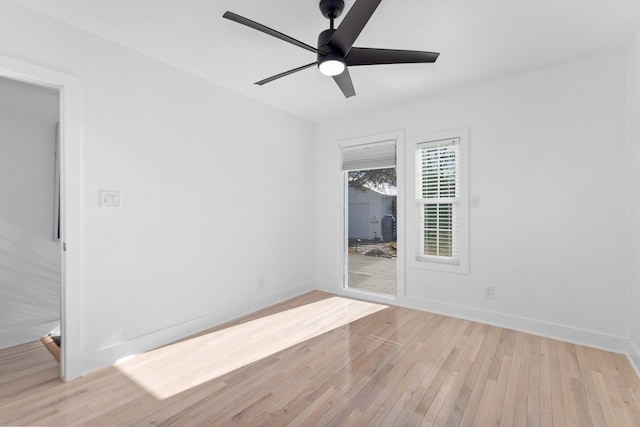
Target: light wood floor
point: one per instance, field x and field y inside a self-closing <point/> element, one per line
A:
<point x="395" y="366"/>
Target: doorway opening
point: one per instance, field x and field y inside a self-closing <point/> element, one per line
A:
<point x="371" y="247"/>
<point x="31" y="249"/>
<point x="69" y="91"/>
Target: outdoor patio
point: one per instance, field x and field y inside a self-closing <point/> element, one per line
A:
<point x="370" y="273"/>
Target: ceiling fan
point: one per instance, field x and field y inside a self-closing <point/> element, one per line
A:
<point x="335" y="51"/>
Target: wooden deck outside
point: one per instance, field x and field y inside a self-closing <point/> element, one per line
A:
<point x="372" y="274"/>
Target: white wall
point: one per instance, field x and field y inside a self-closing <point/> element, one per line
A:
<point x="29" y="258"/>
<point x="206" y="178"/>
<point x="633" y="74"/>
<point x="548" y="160"/>
<point x="28" y="118"/>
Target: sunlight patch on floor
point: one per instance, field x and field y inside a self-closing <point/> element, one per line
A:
<point x="178" y="367"/>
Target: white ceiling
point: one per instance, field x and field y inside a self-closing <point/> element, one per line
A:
<point x="479" y="40"/>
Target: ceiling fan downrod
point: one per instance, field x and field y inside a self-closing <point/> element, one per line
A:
<point x="331" y="9"/>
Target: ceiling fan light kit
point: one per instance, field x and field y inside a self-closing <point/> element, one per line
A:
<point x="331" y="66"/>
<point x="335" y="51"/>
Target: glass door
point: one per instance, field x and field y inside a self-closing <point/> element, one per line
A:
<point x="371" y="224"/>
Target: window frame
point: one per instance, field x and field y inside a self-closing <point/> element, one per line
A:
<point x="460" y="203"/>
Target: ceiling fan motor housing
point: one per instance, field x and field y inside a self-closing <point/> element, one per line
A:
<point x="331" y="9"/>
<point x="329" y="52"/>
<point x="324" y="46"/>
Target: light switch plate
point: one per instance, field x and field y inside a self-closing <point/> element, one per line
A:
<point x="110" y="199"/>
<point x="475" y="201"/>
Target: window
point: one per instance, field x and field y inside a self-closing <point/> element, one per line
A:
<point x="438" y="170"/>
<point x="441" y="202"/>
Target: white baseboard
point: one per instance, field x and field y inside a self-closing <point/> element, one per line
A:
<point x="542" y="328"/>
<point x="107" y="356"/>
<point x="25" y="333"/>
<point x="634" y="357"/>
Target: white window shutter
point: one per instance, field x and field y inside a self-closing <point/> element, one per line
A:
<point x="438" y="200"/>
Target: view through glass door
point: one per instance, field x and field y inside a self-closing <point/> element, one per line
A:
<point x="371" y="213"/>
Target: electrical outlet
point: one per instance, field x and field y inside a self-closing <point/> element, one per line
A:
<point x="489" y="292"/>
<point x="475" y="201"/>
<point x="260" y="282"/>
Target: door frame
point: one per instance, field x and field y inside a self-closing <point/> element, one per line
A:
<point x="399" y="137"/>
<point x="69" y="89"/>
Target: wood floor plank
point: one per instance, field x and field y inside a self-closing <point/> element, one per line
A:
<point x="628" y="406"/>
<point x="546" y="400"/>
<point x="570" y="405"/>
<point x="500" y="375"/>
<point x="481" y="417"/>
<point x="394" y="366"/>
<point x="463" y="367"/>
<point x="378" y="402"/>
<point x="443" y="343"/>
<point x="486" y="360"/>
<point x="533" y="400"/>
<point x="595" y="406"/>
<point x="507" y="417"/>
<point x="604" y="364"/>
<point x="557" y="396"/>
<point x="431" y="384"/>
<point x="466" y="399"/>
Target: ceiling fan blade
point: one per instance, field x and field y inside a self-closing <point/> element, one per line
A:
<point x="286" y="73"/>
<point x="344" y="83"/>
<point x="367" y="56"/>
<point x="256" y="26"/>
<point x="352" y="24"/>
